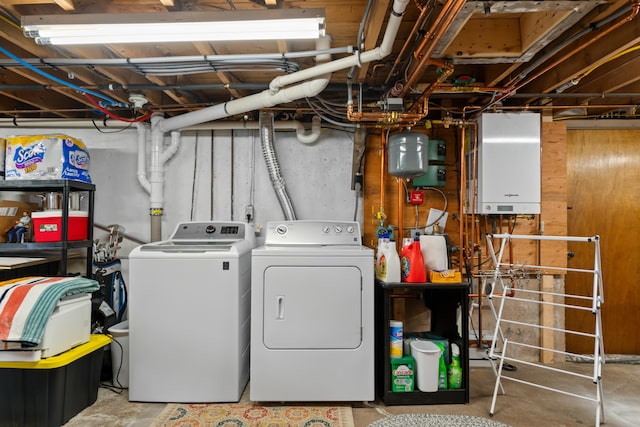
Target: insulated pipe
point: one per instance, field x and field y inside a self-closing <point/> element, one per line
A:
<point x="277" y="94"/>
<point x="267" y="136"/>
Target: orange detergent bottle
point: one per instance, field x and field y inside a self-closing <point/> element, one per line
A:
<point x="412" y="263"/>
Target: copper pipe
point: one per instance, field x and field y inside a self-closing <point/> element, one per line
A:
<point x="424" y="97"/>
<point x="383" y="144"/>
<point x="448" y="14"/>
<point x="480" y="304"/>
<point x="463" y="190"/>
<point x="383" y="118"/>
<point x="406" y="44"/>
<point x="429" y="36"/>
<point x="635" y="9"/>
<point x="474" y="180"/>
<point x="449" y="88"/>
<point x="400" y="214"/>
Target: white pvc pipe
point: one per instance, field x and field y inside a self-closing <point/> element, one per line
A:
<point x="172" y="149"/>
<point x="156" y="179"/>
<point x="302" y="134"/>
<point x="142" y="168"/>
<point x="276" y="95"/>
<point x="248" y="103"/>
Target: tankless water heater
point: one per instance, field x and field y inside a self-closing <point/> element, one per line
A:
<point x="508" y="170"/>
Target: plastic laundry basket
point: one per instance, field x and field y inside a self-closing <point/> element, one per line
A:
<point x="120" y="354"/>
<point x="427" y="357"/>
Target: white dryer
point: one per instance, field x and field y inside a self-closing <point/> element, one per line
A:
<point x="312" y="315"/>
<point x="189" y="314"/>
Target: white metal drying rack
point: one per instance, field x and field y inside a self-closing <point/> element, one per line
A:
<point x="501" y="354"/>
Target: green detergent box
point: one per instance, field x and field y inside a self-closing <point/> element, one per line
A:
<point x="403" y="374"/>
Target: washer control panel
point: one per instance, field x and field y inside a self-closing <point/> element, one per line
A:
<point x="209" y="231"/>
<point x="313" y="232"/>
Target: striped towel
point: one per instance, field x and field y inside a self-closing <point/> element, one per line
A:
<point x="26" y="305"/>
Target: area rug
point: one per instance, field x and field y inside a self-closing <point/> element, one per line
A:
<point x="435" y="420"/>
<point x="248" y="415"/>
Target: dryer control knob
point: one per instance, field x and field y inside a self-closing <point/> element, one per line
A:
<point x="281" y="229"/>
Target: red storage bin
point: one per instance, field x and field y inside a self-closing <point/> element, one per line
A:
<point x="47" y="225"/>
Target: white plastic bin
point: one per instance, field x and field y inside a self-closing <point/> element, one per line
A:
<point x="427" y="356"/>
<point x="120" y="354"/>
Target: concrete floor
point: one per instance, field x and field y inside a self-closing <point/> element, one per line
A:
<point x="522" y="405"/>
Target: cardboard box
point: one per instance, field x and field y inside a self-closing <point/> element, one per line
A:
<point x="10" y="212"/>
<point x="50" y="392"/>
<point x="47" y="225"/>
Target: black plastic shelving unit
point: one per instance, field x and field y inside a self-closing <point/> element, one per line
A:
<point x="442" y="300"/>
<point x="64" y="245"/>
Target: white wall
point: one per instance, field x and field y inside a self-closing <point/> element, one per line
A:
<point x="318" y="178"/>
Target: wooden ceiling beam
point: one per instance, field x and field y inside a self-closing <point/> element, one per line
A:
<point x="66" y="5"/>
<point x="616" y="42"/>
<point x="226" y="78"/>
<point x="372" y="32"/>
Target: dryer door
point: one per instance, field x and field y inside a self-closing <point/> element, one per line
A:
<point x="312" y="307"/>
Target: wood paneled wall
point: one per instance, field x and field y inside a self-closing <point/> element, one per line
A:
<point x="552" y="220"/>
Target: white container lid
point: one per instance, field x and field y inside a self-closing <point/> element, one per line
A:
<point x="424" y="346"/>
<point x="57" y="212"/>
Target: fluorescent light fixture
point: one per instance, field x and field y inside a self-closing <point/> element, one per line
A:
<point x="282" y="24"/>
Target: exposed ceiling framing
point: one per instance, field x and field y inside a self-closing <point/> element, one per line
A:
<point x="451" y="59"/>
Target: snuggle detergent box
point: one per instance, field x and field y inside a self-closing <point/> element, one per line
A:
<point x="46" y="157"/>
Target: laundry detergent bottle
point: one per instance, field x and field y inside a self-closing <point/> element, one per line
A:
<point x="388" y="267"/>
<point x="412" y="264"/>
<point x="381" y="263"/>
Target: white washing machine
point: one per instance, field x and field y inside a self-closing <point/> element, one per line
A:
<point x="189" y="314"/>
<point x="312" y="314"/>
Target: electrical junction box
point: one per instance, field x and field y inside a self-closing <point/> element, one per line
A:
<point x="508" y="168"/>
<point x="436" y="176"/>
<point x="394" y="104"/>
<point x="437" y="150"/>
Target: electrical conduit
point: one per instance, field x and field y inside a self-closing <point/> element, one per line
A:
<point x="267" y="136"/>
